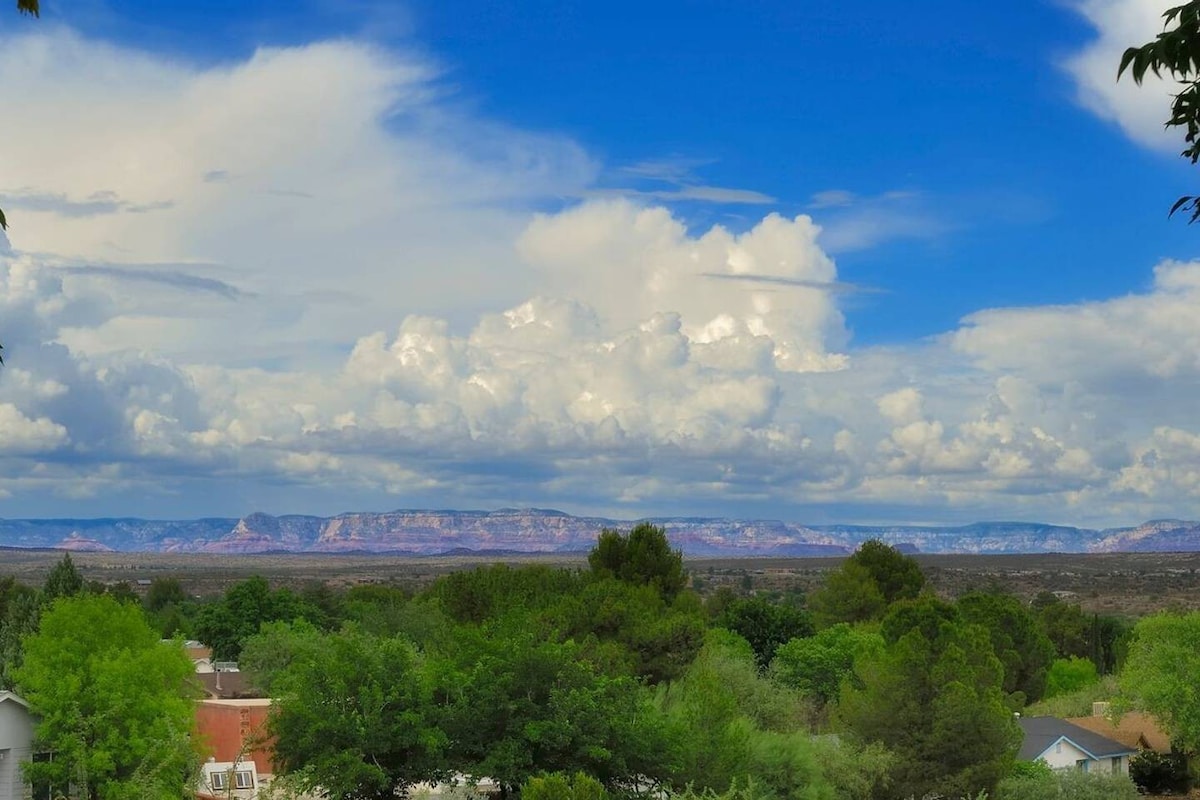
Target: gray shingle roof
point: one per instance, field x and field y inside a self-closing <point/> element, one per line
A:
<point x="1042" y="732"/>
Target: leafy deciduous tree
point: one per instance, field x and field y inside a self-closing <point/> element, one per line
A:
<point x="766" y="625"/>
<point x="1175" y="51"/>
<point x="516" y="707"/>
<point x="817" y="665"/>
<point x="114" y="703"/>
<point x="1162" y="672"/>
<point x="353" y="718"/>
<point x="224" y="624"/>
<point x="1069" y="675"/>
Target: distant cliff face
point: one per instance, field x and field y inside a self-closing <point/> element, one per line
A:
<point x="545" y="531"/>
<point x="1157" y="536"/>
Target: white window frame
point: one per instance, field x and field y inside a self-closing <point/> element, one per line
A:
<point x="243" y="779"/>
<point x="216" y="779"/>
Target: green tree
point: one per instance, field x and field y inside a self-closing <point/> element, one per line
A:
<point x="515" y="707"/>
<point x="354" y="718"/>
<point x="164" y="592"/>
<point x="644" y="556"/>
<point x="268" y="654"/>
<point x="1064" y="624"/>
<point x="850" y="594"/>
<point x="866" y="583"/>
<point x="22" y="612"/>
<point x="634" y="625"/>
<point x="934" y="697"/>
<point x="1162" y="672"/>
<point x="1176" y="52"/>
<point x="734" y="727"/>
<point x="64" y="580"/>
<point x="225" y="623"/>
<point x="1017" y="640"/>
<point x="1069" y="675"/>
<point x="898" y="576"/>
<point x="817" y="665"/>
<point x="766" y="625"/>
<point x="114" y="703"/>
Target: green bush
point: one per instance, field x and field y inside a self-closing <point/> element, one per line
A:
<point x="740" y="790"/>
<point x="1077" y="703"/>
<point x="1068" y="675"/>
<point x="1158" y="773"/>
<point x="557" y="786"/>
<point x="1072" y="784"/>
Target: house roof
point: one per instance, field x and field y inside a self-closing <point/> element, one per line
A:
<point x="1041" y="733"/>
<point x="233" y="685"/>
<point x="1134" y="729"/>
<point x="6" y="695"/>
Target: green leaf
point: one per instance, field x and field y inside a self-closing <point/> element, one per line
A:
<point x="1180" y="203"/>
<point x="29" y="7"/>
<point x="1126" y="58"/>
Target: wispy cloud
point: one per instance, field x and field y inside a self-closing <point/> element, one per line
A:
<point x="165" y="275"/>
<point x="701" y="194"/>
<point x="93" y="205"/>
<point x="851" y="222"/>
<point x="836" y="287"/>
<point x="682" y="184"/>
<point x="832" y="198"/>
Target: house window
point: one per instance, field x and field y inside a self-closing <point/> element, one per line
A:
<point x="217" y="780"/>
<point x="1058" y="747"/>
<point x="244" y="779"/>
<point x="1082" y="764"/>
<point x="1116" y="765"/>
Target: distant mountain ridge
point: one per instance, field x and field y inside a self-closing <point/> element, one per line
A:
<point x="533" y="530"/>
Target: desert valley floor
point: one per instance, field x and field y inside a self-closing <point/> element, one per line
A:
<point x="1114" y="583"/>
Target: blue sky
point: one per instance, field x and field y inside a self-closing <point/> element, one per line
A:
<point x="814" y="260"/>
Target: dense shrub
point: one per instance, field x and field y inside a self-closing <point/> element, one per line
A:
<point x="1069" y="675"/>
<point x="1158" y="773"/>
<point x="1035" y="784"/>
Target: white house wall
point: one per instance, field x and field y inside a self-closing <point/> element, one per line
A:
<point x="16" y="738"/>
<point x="1064" y="755"/>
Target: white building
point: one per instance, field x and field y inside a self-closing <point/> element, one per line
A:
<point x="1065" y="746"/>
<point x="16" y="744"/>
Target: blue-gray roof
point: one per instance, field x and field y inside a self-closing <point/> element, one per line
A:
<point x="1042" y="732"/>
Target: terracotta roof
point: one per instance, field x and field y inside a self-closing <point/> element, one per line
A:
<point x="1135" y="729"/>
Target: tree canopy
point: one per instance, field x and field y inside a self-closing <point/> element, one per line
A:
<point x="642" y="556"/>
<point x="934" y="697"/>
<point x="1162" y="672"/>
<point x="1175" y="52"/>
<point x="866" y="583"/>
<point x="353" y="718"/>
<point x="114" y="703"/>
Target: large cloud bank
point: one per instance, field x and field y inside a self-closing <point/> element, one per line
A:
<point x="307" y="281"/>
